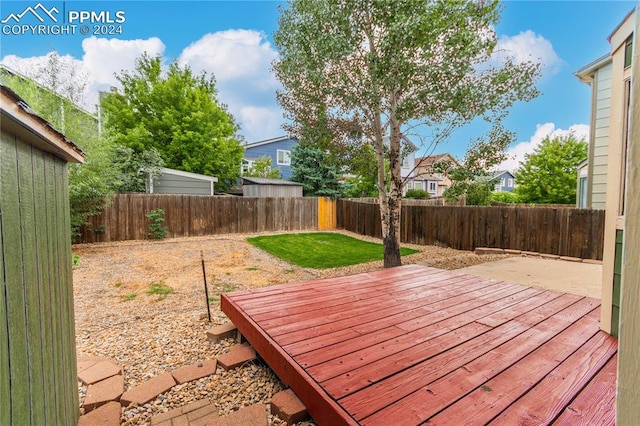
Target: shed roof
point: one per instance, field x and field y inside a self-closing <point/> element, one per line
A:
<point x="267" y="181"/>
<point x="19" y="118"/>
<point x="167" y="171"/>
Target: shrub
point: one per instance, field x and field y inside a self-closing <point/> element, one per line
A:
<point x="156" y="227"/>
<point x="417" y="193"/>
<point x="505" y="197"/>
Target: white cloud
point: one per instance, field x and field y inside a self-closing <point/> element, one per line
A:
<point x="517" y="153"/>
<point x="241" y="62"/>
<point x="528" y="46"/>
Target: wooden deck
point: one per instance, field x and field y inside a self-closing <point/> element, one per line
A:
<point x="410" y="345"/>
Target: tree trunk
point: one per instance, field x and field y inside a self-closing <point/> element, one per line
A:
<point x="391" y="240"/>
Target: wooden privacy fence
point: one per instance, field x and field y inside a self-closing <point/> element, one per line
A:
<point x="561" y="231"/>
<point x="193" y="215"/>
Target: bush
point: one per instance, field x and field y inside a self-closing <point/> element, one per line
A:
<point x="506" y="197"/>
<point x="155" y="227"/>
<point x="417" y="193"/>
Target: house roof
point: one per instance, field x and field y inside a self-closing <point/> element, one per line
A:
<point x="267" y="181"/>
<point x="19" y="118"/>
<point x="501" y="172"/>
<point x="267" y="141"/>
<point x="430" y="160"/>
<point x="166" y="171"/>
<point x="620" y="24"/>
<point x="584" y="73"/>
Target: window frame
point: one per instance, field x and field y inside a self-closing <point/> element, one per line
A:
<point x="286" y="157"/>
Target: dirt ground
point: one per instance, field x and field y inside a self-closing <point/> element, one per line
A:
<point x="118" y="316"/>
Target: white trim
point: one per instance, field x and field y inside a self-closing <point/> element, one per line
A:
<point x="267" y="141"/>
<point x="286" y="153"/>
<point x="166" y="171"/>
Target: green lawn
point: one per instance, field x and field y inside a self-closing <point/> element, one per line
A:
<point x="321" y="249"/>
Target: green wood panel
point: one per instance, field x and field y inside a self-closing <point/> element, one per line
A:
<point x="54" y="290"/>
<point x="28" y="227"/>
<point x="44" y="282"/>
<point x="12" y="252"/>
<point x="5" y="401"/>
<point x="64" y="238"/>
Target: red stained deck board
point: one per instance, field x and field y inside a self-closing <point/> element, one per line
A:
<point x="315" y="313"/>
<point x="547" y="399"/>
<point x="431" y="399"/>
<point x="489" y="348"/>
<point x="446" y="319"/>
<point x="595" y="405"/>
<point x="495" y="395"/>
<point x="456" y="322"/>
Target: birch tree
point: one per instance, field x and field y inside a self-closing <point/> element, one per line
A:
<point x="384" y="69"/>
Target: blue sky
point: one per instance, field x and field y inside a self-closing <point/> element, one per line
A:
<point x="233" y="40"/>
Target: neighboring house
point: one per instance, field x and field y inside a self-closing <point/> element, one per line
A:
<point x="610" y="78"/>
<point x="429" y="180"/>
<point x="582" y="198"/>
<point x="598" y="74"/>
<point x="505" y="181"/>
<point x="274" y="188"/>
<point x="278" y="149"/>
<point x="37" y="342"/>
<point x="172" y="181"/>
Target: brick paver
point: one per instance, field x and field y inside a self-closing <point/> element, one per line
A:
<point x="224" y="331"/>
<point x="237" y="355"/>
<point x="107" y="415"/>
<point x="286" y="405"/>
<point x="99" y="371"/>
<point x="103" y="392"/>
<point x="148" y="390"/>
<point x="195" y="371"/>
<point x="253" y="415"/>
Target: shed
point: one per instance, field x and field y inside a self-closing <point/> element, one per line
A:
<point x="277" y="188"/>
<point x="38" y="379"/>
<point x="173" y="181"/>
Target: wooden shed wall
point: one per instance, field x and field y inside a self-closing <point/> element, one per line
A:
<point x="174" y="184"/>
<point x="38" y="380"/>
<point x="274" y="191"/>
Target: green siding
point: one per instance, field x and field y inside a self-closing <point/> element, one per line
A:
<point x="617" y="279"/>
<point x="38" y="372"/>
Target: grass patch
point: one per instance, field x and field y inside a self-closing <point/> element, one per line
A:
<point x="130" y="296"/>
<point x="252" y="268"/>
<point x="321" y="250"/>
<point x="117" y="284"/>
<point x="160" y="289"/>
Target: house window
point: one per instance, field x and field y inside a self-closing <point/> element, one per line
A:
<point x="284" y="157"/>
<point x="497" y="188"/>
<point x="628" y="52"/>
<point x="582" y="195"/>
<point x="432" y="187"/>
<point x="503" y="182"/>
<point x="246" y="166"/>
<point x="510" y="183"/>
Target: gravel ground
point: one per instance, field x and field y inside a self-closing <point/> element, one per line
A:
<point x="149" y="334"/>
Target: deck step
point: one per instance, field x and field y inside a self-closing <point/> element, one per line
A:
<point x="288" y="407"/>
<point x="220" y="332"/>
<point x="237" y="355"/>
